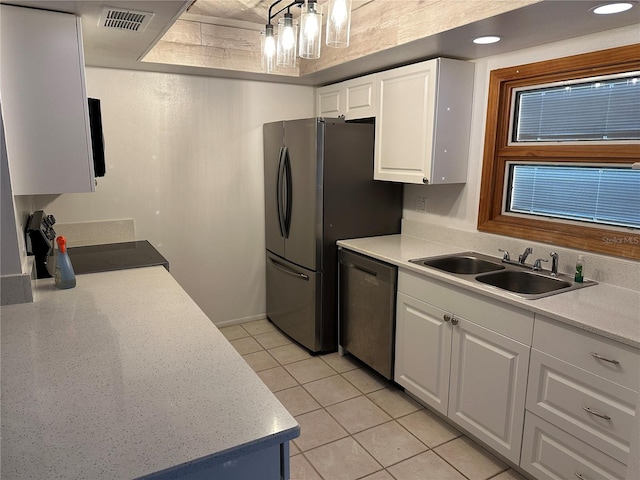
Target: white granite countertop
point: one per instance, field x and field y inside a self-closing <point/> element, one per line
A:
<point x="124" y="376"/>
<point x="607" y="310"/>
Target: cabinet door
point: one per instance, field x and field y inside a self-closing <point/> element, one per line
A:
<point x="44" y="102"/>
<point x="423" y="351"/>
<point x="405" y="123"/>
<point x="360" y="97"/>
<point x="330" y="101"/>
<point x="488" y="386"/>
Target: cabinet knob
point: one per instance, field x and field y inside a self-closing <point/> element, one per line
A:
<point x="447" y="317"/>
<point x="454" y="321"/>
<point x="425" y="180"/>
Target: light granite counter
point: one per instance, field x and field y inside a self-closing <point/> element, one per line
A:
<point x="604" y="309"/>
<point x="122" y="377"/>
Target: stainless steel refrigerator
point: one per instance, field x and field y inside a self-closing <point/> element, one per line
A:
<point x="319" y="188"/>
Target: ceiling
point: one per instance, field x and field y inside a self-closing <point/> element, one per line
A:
<point x="164" y="43"/>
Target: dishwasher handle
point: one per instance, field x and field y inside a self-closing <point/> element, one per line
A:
<point x="358" y="267"/>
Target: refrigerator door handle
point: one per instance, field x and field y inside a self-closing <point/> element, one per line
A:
<point x="280" y="193"/>
<point x="284" y="269"/>
<point x="288" y="199"/>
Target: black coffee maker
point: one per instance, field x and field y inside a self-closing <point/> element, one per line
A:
<point x="40" y="240"/>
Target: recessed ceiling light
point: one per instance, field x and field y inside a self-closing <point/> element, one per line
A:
<point x="610" y="8"/>
<point x="486" y="40"/>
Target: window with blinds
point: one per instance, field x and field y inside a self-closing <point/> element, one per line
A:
<point x="603" y="195"/>
<point x="598" y="110"/>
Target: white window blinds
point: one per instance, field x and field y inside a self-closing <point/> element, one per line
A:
<point x="593" y="110"/>
<point x="594" y="194"/>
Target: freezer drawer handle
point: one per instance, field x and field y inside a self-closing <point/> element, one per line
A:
<point x="358" y="267"/>
<point x="599" y="357"/>
<point x="299" y="275"/>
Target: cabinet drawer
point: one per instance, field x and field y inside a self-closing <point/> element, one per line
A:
<point x="579" y="348"/>
<point x="500" y="317"/>
<point x="562" y="393"/>
<point x="548" y="453"/>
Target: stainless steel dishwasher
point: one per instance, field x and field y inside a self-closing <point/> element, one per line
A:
<point x="367" y="310"/>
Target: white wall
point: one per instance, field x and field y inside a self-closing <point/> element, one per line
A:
<point x="456" y="206"/>
<point x="184" y="160"/>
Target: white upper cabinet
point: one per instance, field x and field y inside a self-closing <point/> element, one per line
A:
<point x="353" y="99"/>
<point x="422" y="114"/>
<point x="44" y="102"/>
<point x="423" y="122"/>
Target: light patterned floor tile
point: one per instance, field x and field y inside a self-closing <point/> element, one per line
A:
<point x="246" y="345"/>
<point x="430" y="430"/>
<point x="317" y="428"/>
<point x="509" y="475"/>
<point x="358" y="414"/>
<point x="381" y="475"/>
<point x="293" y="450"/>
<point x="289" y="353"/>
<point x="395" y="402"/>
<point x="389" y="443"/>
<point x="342" y="460"/>
<point x="277" y="379"/>
<point x="260" y="360"/>
<point x="472" y="460"/>
<point x="259" y="326"/>
<point x="297" y="400"/>
<point x="426" y="466"/>
<point x="341" y="363"/>
<point x="366" y="380"/>
<point x="309" y="370"/>
<point x="330" y="390"/>
<point x="272" y="339"/>
<point x="301" y="469"/>
<point x="234" y="332"/>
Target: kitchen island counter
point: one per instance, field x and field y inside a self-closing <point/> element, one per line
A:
<point x="604" y="309"/>
<point x="124" y="377"/>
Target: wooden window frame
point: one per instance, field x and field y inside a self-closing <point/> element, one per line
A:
<point x="497" y="152"/>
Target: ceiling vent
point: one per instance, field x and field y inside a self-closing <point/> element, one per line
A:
<point x="124" y="19"/>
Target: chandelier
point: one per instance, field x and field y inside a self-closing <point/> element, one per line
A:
<point x="281" y="49"/>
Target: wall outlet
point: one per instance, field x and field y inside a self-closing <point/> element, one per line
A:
<point x="421" y="204"/>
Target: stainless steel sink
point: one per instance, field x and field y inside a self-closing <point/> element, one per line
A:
<point x="523" y="282"/>
<point x="467" y="263"/>
<point x="519" y="280"/>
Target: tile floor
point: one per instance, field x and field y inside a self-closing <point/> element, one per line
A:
<point x="355" y="424"/>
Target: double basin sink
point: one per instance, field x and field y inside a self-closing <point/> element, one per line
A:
<point x="520" y="280"/>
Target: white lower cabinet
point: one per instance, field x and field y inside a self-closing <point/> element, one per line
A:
<point x="461" y="366"/>
<point x="581" y="404"/>
<point x="549" y="453"/>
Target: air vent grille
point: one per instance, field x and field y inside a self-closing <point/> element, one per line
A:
<point x="125" y="19"/>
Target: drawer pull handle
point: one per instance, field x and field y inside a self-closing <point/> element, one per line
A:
<point x="579" y="476"/>
<point x="587" y="409"/>
<point x="599" y="357"/>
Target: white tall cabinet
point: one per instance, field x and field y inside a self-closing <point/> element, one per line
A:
<point x="44" y="102"/>
<point x="422" y="115"/>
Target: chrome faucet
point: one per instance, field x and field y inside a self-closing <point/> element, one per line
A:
<point x="525" y="254"/>
<point x="554" y="264"/>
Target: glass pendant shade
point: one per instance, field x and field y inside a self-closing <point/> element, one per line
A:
<point x="287" y="41"/>
<point x="310" y="30"/>
<point x="268" y="49"/>
<point x="338" y="23"/>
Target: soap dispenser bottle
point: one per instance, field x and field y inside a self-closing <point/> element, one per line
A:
<point x="64" y="275"/>
<point x="579" y="276"/>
